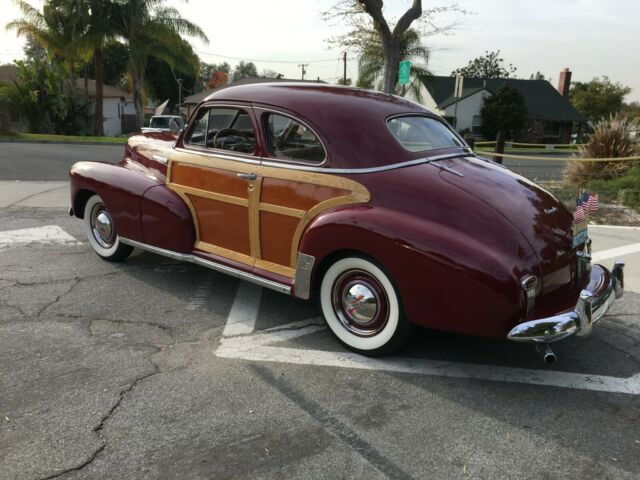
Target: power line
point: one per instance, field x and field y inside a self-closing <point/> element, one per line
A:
<point x="266" y="61"/>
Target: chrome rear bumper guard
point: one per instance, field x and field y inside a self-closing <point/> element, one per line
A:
<point x="595" y="300"/>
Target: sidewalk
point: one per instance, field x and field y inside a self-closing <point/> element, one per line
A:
<point x="34" y="194"/>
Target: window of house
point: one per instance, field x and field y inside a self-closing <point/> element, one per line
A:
<point x="420" y="133"/>
<point x="223" y="128"/>
<point x="476" y="125"/>
<point x="291" y="140"/>
<point x="552" y="129"/>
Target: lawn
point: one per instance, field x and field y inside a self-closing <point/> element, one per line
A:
<point x="59" y="138"/>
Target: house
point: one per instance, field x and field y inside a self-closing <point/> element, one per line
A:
<point x="191" y="102"/>
<point x="118" y="109"/>
<point x="550" y="116"/>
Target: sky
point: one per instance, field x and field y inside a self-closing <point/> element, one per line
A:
<point x="591" y="37"/>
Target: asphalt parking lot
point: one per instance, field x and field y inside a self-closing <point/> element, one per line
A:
<point x="156" y="369"/>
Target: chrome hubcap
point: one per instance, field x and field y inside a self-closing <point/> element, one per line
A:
<point x="360" y="303"/>
<point x="102" y="227"/>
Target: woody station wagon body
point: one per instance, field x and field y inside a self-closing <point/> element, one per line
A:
<point x="364" y="200"/>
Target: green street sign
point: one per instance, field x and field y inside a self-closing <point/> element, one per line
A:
<point x="404" y="72"/>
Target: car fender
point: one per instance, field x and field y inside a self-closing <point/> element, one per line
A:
<point x="453" y="273"/>
<point x="121" y="187"/>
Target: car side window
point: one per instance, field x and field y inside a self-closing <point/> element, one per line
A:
<point x="223" y="128"/>
<point x="292" y="140"/>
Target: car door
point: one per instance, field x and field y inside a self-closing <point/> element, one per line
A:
<point x="294" y="188"/>
<point x="215" y="173"/>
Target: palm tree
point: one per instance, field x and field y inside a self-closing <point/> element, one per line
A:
<point x="71" y="30"/>
<point x="57" y="29"/>
<point x="151" y="29"/>
<point x="371" y="61"/>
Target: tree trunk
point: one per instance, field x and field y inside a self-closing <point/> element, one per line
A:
<point x="137" y="99"/>
<point x="391" y="64"/>
<point x="86" y="97"/>
<point x="98" y="125"/>
<point x="499" y="145"/>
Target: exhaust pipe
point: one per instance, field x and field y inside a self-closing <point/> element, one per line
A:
<point x="546" y="353"/>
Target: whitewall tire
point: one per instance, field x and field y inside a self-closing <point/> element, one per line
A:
<point x="101" y="232"/>
<point x="362" y="308"/>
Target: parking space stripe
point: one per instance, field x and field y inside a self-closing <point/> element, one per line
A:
<point x="615" y="252"/>
<point x="232" y="348"/>
<point x="47" y="234"/>
<point x="244" y="311"/>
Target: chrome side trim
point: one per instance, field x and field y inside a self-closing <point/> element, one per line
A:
<point x="185" y="257"/>
<point x="304" y="268"/>
<point x="383" y="168"/>
<point x="225" y="156"/>
<point x="590" y="308"/>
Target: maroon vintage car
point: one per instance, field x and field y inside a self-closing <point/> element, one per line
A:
<point x="367" y="201"/>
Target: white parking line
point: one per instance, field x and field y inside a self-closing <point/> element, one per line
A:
<point x="244" y="348"/>
<point x="259" y="347"/>
<point x="615" y="252"/>
<point x="46" y="234"/>
<point x="244" y="311"/>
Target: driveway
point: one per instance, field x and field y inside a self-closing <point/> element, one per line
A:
<point x="156" y="369"/>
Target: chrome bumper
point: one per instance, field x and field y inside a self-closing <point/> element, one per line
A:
<point x="604" y="287"/>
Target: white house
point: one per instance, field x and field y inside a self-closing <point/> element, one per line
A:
<point x="118" y="109"/>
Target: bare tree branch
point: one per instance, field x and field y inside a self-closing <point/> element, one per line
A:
<point x="413" y="13"/>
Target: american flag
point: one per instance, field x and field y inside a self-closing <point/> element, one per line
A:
<point x="578" y="214"/>
<point x="592" y="203"/>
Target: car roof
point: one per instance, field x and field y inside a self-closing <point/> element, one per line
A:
<point x="350" y="121"/>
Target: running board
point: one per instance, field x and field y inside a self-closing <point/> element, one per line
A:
<point x="234" y="272"/>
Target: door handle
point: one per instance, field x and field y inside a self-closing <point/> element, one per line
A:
<point x="247" y="176"/>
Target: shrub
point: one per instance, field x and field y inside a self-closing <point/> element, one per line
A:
<point x="624" y="189"/>
<point x="610" y="139"/>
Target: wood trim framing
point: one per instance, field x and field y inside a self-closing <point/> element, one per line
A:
<point x="291" y="212"/>
<point x="358" y="194"/>
<point x="255" y="189"/>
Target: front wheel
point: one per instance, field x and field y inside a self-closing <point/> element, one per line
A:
<point x="361" y="307"/>
<point x="101" y="232"/>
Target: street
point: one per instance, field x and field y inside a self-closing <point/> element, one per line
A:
<point x="157" y="369"/>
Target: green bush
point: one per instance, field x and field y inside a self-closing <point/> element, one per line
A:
<point x="624" y="190"/>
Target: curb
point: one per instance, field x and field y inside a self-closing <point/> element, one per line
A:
<point x="61" y="142"/>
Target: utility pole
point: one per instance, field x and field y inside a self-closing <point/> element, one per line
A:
<point x="344" y="70"/>
<point x="179" y="94"/>
<point x="302" y="65"/>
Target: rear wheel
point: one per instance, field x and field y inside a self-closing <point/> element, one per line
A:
<point x="361" y="307"/>
<point x="101" y="232"/>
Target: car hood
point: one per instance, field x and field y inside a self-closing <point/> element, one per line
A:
<point x="543" y="220"/>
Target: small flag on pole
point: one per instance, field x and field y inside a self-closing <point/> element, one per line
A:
<point x="592" y="203"/>
<point x="578" y="214"/>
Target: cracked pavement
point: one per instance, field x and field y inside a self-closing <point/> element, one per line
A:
<point x="109" y="371"/>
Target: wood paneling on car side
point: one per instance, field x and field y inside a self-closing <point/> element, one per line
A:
<point x="256" y="222"/>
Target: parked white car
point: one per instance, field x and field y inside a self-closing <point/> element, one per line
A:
<point x="165" y="123"/>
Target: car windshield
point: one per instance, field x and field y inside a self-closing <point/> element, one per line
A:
<point x="163" y="122"/>
<point x="420" y="133"/>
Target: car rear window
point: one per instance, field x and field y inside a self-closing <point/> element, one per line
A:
<point x="419" y="134"/>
